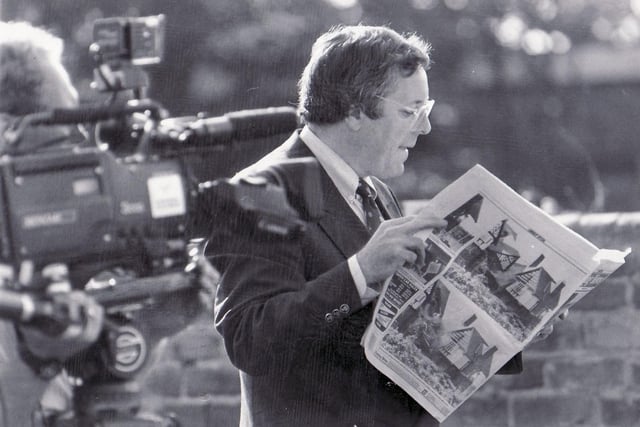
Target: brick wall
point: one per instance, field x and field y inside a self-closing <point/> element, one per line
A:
<point x="192" y="377"/>
<point x="586" y="373"/>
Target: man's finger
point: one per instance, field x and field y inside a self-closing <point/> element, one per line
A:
<point x="393" y="222"/>
<point x="422" y="222"/>
<point x="417" y="246"/>
<point x="410" y="257"/>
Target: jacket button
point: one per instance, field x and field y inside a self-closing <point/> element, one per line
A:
<point x="328" y="317"/>
<point x="344" y="309"/>
<point x="336" y="313"/>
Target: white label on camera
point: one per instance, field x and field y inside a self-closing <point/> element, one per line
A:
<point x="166" y="196"/>
<point x="49" y="219"/>
<point x="132" y="207"/>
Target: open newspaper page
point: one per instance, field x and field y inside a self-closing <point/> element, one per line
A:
<point x="493" y="277"/>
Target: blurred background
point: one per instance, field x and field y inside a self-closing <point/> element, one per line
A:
<point x="544" y="93"/>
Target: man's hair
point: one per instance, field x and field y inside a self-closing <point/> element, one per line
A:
<point x="352" y="66"/>
<point x="25" y="52"/>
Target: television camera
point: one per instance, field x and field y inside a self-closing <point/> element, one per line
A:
<point x="126" y="199"/>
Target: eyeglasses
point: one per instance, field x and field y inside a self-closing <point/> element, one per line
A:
<point x="419" y="114"/>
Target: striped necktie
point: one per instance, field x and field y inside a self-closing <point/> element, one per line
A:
<point x="373" y="217"/>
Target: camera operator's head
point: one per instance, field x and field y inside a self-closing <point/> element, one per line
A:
<point x="32" y="80"/>
<point x="32" y="77"/>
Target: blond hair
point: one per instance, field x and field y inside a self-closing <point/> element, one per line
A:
<point x="25" y="53"/>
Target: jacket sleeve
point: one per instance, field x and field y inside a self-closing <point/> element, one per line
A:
<point x="265" y="309"/>
<point x="513" y="366"/>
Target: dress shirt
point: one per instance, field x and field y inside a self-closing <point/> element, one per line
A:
<point x="346" y="181"/>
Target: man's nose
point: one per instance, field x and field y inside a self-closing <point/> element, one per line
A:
<point x="424" y="127"/>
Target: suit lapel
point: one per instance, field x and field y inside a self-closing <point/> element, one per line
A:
<point x="339" y="222"/>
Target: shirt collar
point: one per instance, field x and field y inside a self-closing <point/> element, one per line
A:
<point x="342" y="175"/>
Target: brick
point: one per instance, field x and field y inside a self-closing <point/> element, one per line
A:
<point x="213" y="379"/>
<point x="209" y="412"/>
<point x="636" y="374"/>
<point x="623" y="412"/>
<point x="163" y="352"/>
<point x="610" y="295"/>
<point x="200" y="342"/>
<point x="163" y="379"/>
<point x="610" y="230"/>
<point x="568" y="333"/>
<point x="189" y="412"/>
<point x="553" y="410"/>
<point x="224" y="413"/>
<point x="555" y="341"/>
<point x="597" y="374"/>
<point x="630" y="268"/>
<point x="627" y="234"/>
<point x="615" y="330"/>
<point x="485" y="412"/>
<point x="635" y="280"/>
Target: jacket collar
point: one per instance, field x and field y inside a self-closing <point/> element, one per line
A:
<point x="339" y="222"/>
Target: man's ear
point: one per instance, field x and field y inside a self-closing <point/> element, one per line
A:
<point x="354" y="119"/>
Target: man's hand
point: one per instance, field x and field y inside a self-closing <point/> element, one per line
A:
<point x="86" y="320"/>
<point x="548" y="329"/>
<point x="394" y="244"/>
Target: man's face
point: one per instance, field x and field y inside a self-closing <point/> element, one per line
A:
<point x="388" y="139"/>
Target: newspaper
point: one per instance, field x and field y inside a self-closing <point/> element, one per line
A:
<point x="493" y="278"/>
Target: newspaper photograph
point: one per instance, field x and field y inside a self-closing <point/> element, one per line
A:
<point x="498" y="272"/>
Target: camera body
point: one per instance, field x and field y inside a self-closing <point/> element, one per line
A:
<point x="136" y="40"/>
<point x="129" y="197"/>
<point x="92" y="210"/>
<point x="128" y="200"/>
<point x="120" y="46"/>
<point x="87" y="206"/>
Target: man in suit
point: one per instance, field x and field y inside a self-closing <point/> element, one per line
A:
<point x="292" y="313"/>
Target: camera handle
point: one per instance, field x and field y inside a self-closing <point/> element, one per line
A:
<point x="119" y="77"/>
<point x="113" y="396"/>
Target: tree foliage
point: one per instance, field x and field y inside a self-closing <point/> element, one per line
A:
<point x="504" y="75"/>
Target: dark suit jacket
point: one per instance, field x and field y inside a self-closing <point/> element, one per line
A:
<point x="292" y="320"/>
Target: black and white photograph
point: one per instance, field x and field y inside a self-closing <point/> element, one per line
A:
<point x="202" y="203"/>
